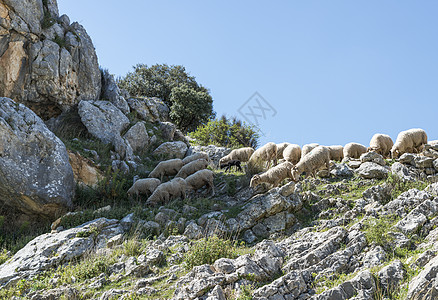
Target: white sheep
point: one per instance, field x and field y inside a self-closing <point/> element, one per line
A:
<point x="382" y="144"/>
<point x="307" y="148"/>
<point x="280" y="149"/>
<point x="144" y="186"/>
<point x="195" y="156"/>
<point x="167" y="191"/>
<point x="265" y="153"/>
<point x="274" y="176"/>
<point x="192" y="167"/>
<point x="292" y="153"/>
<point x="409" y="141"/>
<point x="199" y="179"/>
<point x="336" y="152"/>
<point x="241" y="154"/>
<point x="312" y="162"/>
<point x="354" y="150"/>
<point x="168" y="167"/>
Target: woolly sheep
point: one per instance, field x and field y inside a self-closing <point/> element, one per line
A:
<point x="354" y="150"/>
<point x="168" y="167"/>
<point x="167" y="191"/>
<point x="411" y="140"/>
<point x="274" y="176"/>
<point x="144" y="186"/>
<point x="382" y="144"/>
<point x="266" y="153"/>
<point x="292" y="153"/>
<point x="307" y="148"/>
<point x="192" y="167"/>
<point x="241" y="154"/>
<point x="336" y="152"/>
<point x="195" y="156"/>
<point x="199" y="179"/>
<point x="280" y="149"/>
<point x="312" y="162"/>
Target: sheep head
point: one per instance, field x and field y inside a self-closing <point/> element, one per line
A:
<point x="294" y="174"/>
<point x="255" y="180"/>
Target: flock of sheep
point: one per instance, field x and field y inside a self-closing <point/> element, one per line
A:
<point x="191" y="173"/>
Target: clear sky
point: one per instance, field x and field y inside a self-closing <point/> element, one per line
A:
<point x="331" y="72"/>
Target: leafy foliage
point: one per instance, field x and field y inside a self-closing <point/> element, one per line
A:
<point x="232" y="133"/>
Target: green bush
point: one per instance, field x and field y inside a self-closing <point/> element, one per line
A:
<point x="231" y="133"/>
<point x="208" y="250"/>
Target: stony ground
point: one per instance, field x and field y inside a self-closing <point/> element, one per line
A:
<point x="341" y="237"/>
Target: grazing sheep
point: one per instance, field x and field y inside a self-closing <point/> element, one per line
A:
<point x="192" y="167"/>
<point x="274" y="176"/>
<point x="231" y="163"/>
<point x="266" y="153"/>
<point x="336" y="152"/>
<point x="382" y="144"/>
<point x="167" y="191"/>
<point x="312" y="162"/>
<point x="199" y="179"/>
<point x="195" y="156"/>
<point x="241" y="154"/>
<point x="144" y="186"/>
<point x="354" y="150"/>
<point x="307" y="148"/>
<point x="280" y="149"/>
<point x="168" y="167"/>
<point x="292" y="153"/>
<point x="409" y="141"/>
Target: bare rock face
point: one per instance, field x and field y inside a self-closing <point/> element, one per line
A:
<point x="84" y="170"/>
<point x="47" y="64"/>
<point x="35" y="175"/>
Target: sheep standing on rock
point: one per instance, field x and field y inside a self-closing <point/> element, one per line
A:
<point x="266" y="153"/>
<point x="144" y="186"/>
<point x="292" y="153"/>
<point x="312" y="162"/>
<point x="336" y="152"/>
<point x="199" y="179"/>
<point x="280" y="149"/>
<point x="274" y="176"/>
<point x="381" y="144"/>
<point x="195" y="156"/>
<point x="354" y="150"/>
<point x="192" y="167"/>
<point x="168" y="167"/>
<point x="409" y="141"/>
<point x="241" y="154"/>
<point x="167" y="191"/>
<point x="307" y="148"/>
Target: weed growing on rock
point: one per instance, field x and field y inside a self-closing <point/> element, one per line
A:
<point x="376" y="231"/>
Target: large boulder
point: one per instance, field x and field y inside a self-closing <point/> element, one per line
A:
<point x="112" y="93"/>
<point x="47" y="64"/>
<point x="171" y="150"/>
<point x="36" y="177"/>
<point x="137" y="136"/>
<point x="149" y="109"/>
<point x="372" y="170"/>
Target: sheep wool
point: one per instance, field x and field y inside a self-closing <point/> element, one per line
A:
<point x="266" y="153"/>
<point x="312" y="162"/>
<point x="241" y="154"/>
<point x="200" y="179"/>
<point x="144" y="186"/>
<point x="192" y="167"/>
<point x="168" y="191"/>
<point x="167" y="168"/>
<point x="382" y="144"/>
<point x="274" y="176"/>
<point x="336" y="152"/>
<point x="195" y="156"/>
<point x="280" y="149"/>
<point x="307" y="148"/>
<point x="409" y="141"/>
<point x="292" y="153"/>
<point x="354" y="150"/>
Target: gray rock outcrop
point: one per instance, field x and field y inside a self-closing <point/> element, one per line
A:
<point x="36" y="176"/>
<point x="47" y="64"/>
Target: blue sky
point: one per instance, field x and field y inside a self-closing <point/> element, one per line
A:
<point x="333" y="71"/>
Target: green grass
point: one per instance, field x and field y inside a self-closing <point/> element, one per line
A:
<point x="376" y="231"/>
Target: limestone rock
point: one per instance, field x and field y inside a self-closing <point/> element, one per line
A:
<point x="341" y="170"/>
<point x="371" y="170"/>
<point x="167" y="130"/>
<point x="425" y="285"/>
<point x="372" y="157"/>
<point x="215" y="153"/>
<point x="84" y="170"/>
<point x="138" y="137"/>
<point x="401" y="171"/>
<point x="171" y="150"/>
<point x="391" y="276"/>
<point x="111" y="92"/>
<point x="150" y="109"/>
<point x="36" y="177"/>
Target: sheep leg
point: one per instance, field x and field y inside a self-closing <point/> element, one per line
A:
<point x="238" y="167"/>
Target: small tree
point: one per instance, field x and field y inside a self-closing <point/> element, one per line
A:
<point x="231" y="133"/>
